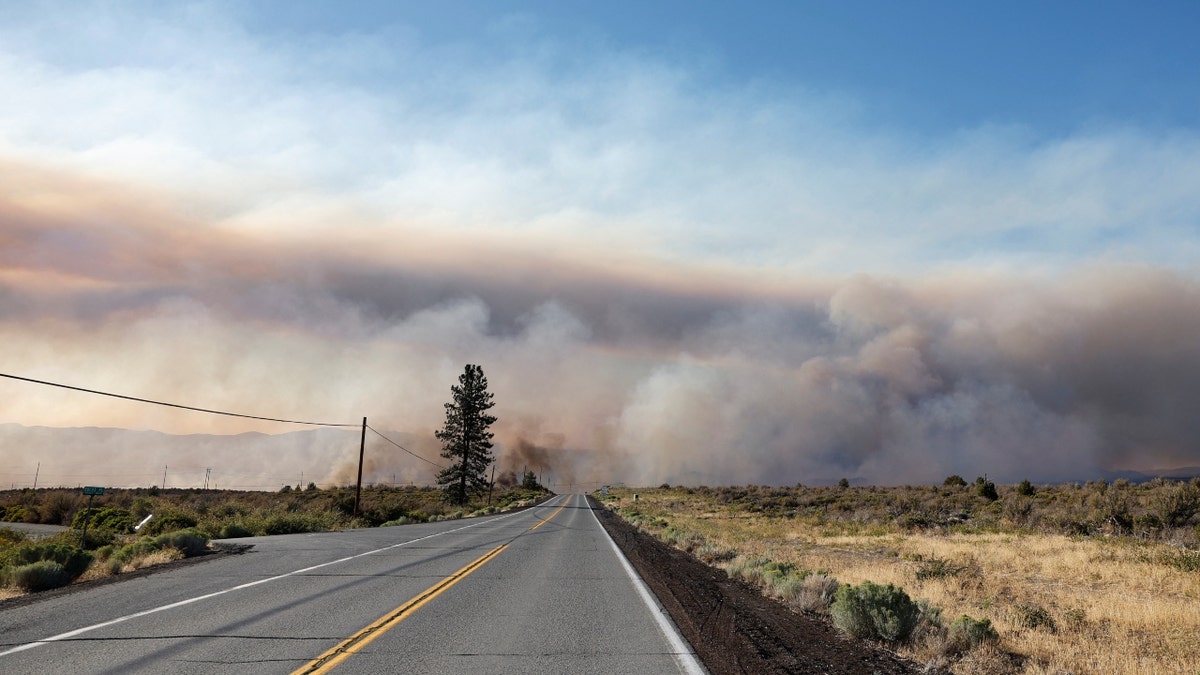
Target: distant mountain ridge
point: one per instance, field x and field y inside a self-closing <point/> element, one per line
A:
<point x="113" y="457"/>
<point x="67" y="456"/>
<point x="1180" y="473"/>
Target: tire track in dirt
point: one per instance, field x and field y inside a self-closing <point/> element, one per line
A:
<point x="733" y="627"/>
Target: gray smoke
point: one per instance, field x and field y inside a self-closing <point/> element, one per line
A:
<point x="641" y="372"/>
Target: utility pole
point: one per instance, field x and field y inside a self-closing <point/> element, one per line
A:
<point x="362" y="445"/>
<point x="35" y="474"/>
<point x="164" y="485"/>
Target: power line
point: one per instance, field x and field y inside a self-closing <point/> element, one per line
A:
<point x="405" y="449"/>
<point x="176" y="405"/>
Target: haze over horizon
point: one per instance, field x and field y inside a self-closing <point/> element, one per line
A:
<point x="687" y="242"/>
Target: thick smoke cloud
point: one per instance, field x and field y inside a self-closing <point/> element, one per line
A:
<point x="641" y="373"/>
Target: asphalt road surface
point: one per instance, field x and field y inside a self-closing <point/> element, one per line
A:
<point x="34" y="531"/>
<point x="537" y="591"/>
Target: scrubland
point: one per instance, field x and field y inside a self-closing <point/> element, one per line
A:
<point x="184" y="521"/>
<point x="1092" y="578"/>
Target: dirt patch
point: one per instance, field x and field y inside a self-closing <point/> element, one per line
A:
<point x="732" y="626"/>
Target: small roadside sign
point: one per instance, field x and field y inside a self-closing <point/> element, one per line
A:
<point x="91" y="491"/>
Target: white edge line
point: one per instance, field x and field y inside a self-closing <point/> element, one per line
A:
<point x="181" y="603"/>
<point x="685" y="656"/>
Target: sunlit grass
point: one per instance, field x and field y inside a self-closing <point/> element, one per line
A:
<point x="1115" y="607"/>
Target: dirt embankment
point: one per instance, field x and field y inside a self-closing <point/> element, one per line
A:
<point x="733" y="628"/>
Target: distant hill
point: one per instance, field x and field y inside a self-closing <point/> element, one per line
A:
<point x="69" y="457"/>
<point x="1180" y="473"/>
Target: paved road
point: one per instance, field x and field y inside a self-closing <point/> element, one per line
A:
<point x="539" y="591"/>
<point x="34" y="531"/>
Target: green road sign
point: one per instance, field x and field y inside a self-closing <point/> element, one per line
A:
<point x="93" y="490"/>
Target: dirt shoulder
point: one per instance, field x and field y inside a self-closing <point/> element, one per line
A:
<point x="733" y="628"/>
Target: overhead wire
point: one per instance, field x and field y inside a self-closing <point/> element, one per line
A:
<point x="404" y="448"/>
<point x="216" y="412"/>
<point x="176" y="405"/>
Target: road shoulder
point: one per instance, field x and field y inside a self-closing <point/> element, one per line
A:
<point x="733" y="628"/>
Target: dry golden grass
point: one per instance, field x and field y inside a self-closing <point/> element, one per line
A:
<point x="164" y="555"/>
<point x="1115" y="607"/>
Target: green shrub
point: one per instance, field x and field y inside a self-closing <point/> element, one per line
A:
<point x="141" y="507"/>
<point x="787" y="587"/>
<point x="234" y="531"/>
<point x="230" y="510"/>
<point x="986" y="489"/>
<point x="39" y="576"/>
<point x="16" y="514"/>
<point x="1035" y="617"/>
<point x="1175" y="505"/>
<point x="11" y="537"/>
<point x="189" y="542"/>
<point x="72" y="559"/>
<point x="99" y="537"/>
<point x="169" y="521"/>
<point x="1025" y="489"/>
<point x="294" y="523"/>
<point x="930" y="613"/>
<point x="777" y="569"/>
<point x="107" y="518"/>
<point x="125" y="554"/>
<point x="874" y="611"/>
<point x="966" y="633"/>
<point x="954" y="481"/>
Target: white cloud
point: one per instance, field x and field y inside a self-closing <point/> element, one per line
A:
<point x="613" y="150"/>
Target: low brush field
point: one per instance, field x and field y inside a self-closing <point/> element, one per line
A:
<point x="184" y="521"/>
<point x="1095" y="578"/>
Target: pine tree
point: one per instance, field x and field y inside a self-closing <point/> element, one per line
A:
<point x="465" y="437"/>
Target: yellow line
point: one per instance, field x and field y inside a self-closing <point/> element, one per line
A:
<point x="550" y="517"/>
<point x="351" y="645"/>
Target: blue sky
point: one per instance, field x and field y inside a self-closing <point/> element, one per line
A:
<point x="813" y="138"/>
<point x="846" y="238"/>
<point x="929" y="67"/>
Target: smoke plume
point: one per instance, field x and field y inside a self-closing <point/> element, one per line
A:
<point x="639" y="372"/>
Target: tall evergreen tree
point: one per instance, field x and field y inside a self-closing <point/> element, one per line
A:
<point x="466" y="438"/>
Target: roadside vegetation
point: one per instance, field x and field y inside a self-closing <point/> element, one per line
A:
<point x="969" y="577"/>
<point x="185" y="521"/>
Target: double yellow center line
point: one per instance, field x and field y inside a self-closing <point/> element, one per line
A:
<point x="329" y="660"/>
<point x="550" y="517"/>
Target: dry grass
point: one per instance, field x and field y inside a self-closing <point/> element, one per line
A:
<point x="1060" y="603"/>
<point x="158" y="557"/>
